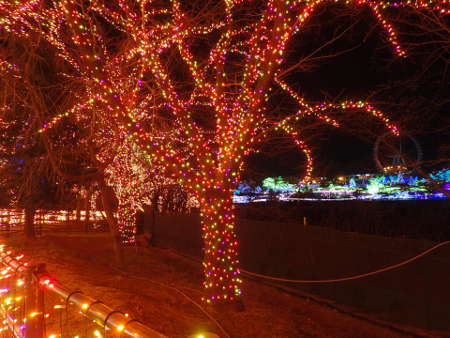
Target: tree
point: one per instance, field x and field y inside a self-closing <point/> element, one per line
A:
<point x="28" y="179"/>
<point x="218" y="113"/>
<point x="209" y="70"/>
<point x="36" y="22"/>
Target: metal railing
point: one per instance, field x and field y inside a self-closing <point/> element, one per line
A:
<point x="23" y="293"/>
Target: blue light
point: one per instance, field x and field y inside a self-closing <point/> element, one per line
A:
<point x="360" y="186"/>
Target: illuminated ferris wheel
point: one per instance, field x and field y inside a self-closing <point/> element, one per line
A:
<point x="397" y="153"/>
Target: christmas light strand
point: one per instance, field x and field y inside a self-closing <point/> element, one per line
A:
<point x="130" y="88"/>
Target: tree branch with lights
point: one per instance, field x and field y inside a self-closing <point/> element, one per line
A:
<point x="203" y="70"/>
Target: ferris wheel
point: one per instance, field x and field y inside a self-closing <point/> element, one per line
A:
<point x="394" y="153"/>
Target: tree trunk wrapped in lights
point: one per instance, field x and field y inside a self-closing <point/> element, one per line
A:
<point x="220" y="262"/>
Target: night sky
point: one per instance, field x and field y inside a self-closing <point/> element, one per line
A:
<point x="367" y="69"/>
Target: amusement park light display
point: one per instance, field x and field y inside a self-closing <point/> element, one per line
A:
<point x="277" y="184"/>
<point x="442" y="175"/>
<point x="125" y="91"/>
<point x="369" y="187"/>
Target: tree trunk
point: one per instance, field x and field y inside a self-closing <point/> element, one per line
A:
<point x="87" y="209"/>
<point x="108" y="205"/>
<point x="29" y="223"/>
<point x="126" y="220"/>
<point x="153" y="221"/>
<point x="222" y="282"/>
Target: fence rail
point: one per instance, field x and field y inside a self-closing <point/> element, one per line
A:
<point x="25" y="291"/>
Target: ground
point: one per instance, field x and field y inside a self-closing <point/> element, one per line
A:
<point x="158" y="286"/>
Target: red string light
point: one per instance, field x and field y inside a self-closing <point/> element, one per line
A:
<point x="122" y="92"/>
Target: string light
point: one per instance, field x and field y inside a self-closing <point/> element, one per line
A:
<point x="123" y="92"/>
<point x="14" y="308"/>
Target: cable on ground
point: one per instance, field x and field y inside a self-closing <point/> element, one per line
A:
<point x="343" y="279"/>
<point x="220" y="327"/>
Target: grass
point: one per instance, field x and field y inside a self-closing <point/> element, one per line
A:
<point x="162" y="289"/>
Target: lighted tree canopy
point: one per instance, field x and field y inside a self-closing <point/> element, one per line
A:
<point x="185" y="84"/>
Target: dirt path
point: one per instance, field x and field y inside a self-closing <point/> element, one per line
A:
<point x="146" y="292"/>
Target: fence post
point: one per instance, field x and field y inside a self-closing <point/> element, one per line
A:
<point x="35" y="309"/>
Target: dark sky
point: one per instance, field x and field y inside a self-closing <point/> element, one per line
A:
<point x="403" y="88"/>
